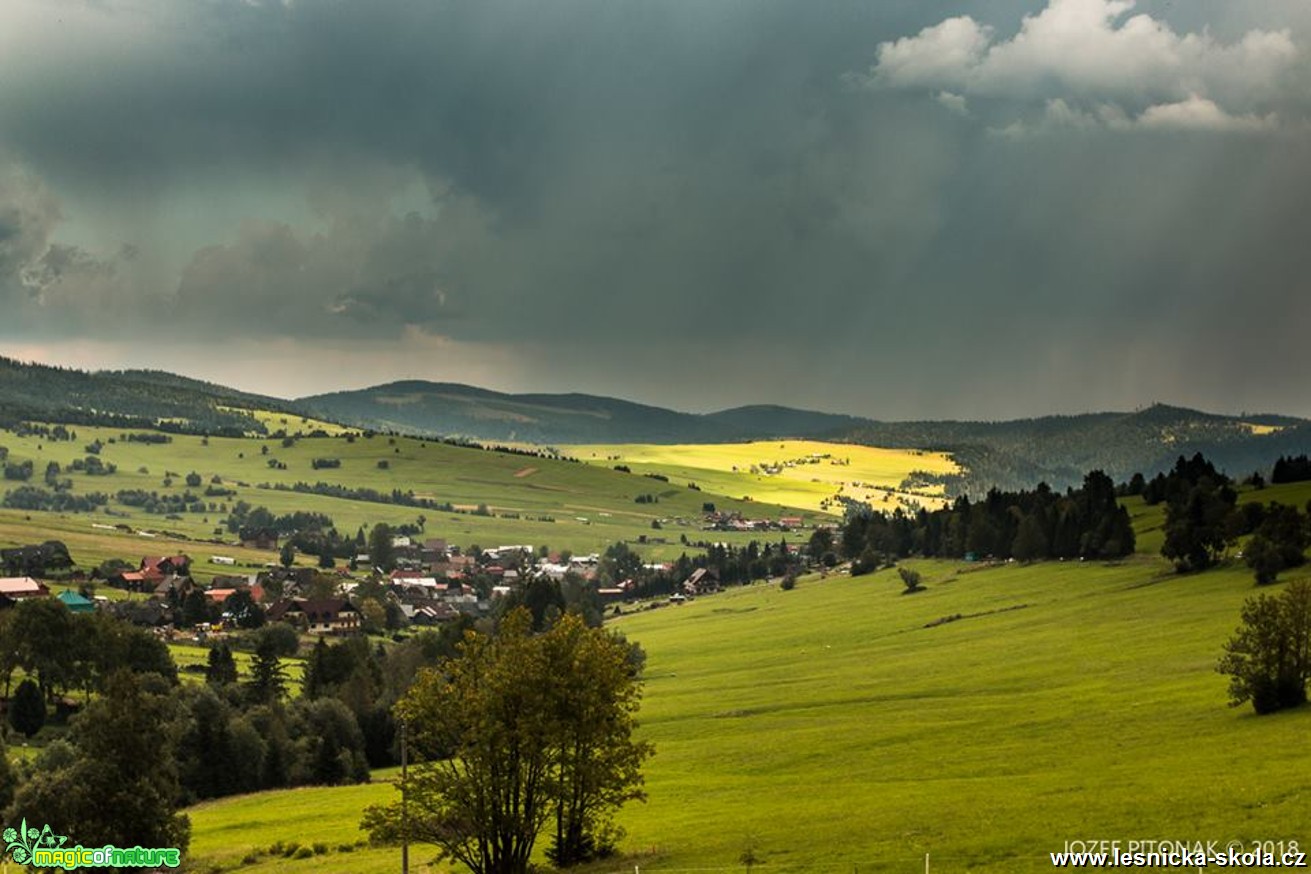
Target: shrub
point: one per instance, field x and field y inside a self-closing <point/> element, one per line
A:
<point x="910" y="578"/>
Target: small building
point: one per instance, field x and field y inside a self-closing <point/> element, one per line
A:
<point x="333" y="616"/>
<point x="19" y="588"/>
<point x="701" y="581"/>
<point x="165" y="565"/>
<point x="433" y="614"/>
<point x="76" y="603"/>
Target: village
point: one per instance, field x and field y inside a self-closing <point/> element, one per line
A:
<point x="421" y="583"/>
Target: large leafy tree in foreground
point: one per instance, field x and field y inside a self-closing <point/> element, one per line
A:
<point x="518" y="731"/>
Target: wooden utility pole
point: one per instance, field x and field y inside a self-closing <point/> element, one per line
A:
<point x="405" y="811"/>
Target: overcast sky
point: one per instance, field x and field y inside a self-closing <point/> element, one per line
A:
<point x="893" y="208"/>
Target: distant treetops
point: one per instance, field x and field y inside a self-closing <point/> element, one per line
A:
<point x="1203" y="519"/>
<point x="1087" y="522"/>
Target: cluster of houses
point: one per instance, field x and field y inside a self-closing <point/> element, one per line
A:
<point x="726" y="521"/>
<point x="433" y="582"/>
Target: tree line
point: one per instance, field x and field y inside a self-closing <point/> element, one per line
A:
<point x="153" y="745"/>
<point x="1087" y="522"/>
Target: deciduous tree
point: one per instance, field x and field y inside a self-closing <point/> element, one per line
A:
<point x="1268" y="659"/>
<point x="518" y="731"/>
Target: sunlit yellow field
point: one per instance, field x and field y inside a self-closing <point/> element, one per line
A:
<point x="292" y="423"/>
<point x="807" y="474"/>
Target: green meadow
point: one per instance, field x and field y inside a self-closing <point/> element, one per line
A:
<point x="841" y="726"/>
<point x="496" y="497"/>
<point x="844" y="726"/>
<point x="262" y="833"/>
<point x="1070" y="701"/>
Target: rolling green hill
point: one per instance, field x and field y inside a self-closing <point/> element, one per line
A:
<point x="130" y="398"/>
<point x="479" y="414"/>
<point x="1015" y="454"/>
<point x="984" y="721"/>
<point x="477" y="496"/>
<point x="836" y="730"/>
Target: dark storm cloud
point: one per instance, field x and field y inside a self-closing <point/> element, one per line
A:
<point x="926" y="208"/>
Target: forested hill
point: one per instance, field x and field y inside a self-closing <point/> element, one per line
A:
<point x="454" y="410"/>
<point x="1057" y="450"/>
<point x="1017" y="454"/>
<point x="131" y="398"/>
<point x="1060" y="449"/>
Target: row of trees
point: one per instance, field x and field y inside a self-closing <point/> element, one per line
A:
<point x="1086" y="522"/>
<point x="1294" y="469"/>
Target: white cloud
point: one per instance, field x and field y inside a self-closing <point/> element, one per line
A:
<point x="954" y="102"/>
<point x="941" y="55"/>
<point x="1198" y="113"/>
<point x="1088" y="53"/>
<point x="1194" y="114"/>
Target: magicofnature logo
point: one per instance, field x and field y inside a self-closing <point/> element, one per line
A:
<point x="44" y="848"/>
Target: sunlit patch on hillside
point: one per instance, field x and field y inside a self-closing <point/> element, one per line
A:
<point x="806" y="474"/>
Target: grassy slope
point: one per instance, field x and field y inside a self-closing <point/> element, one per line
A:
<point x="591" y="507"/>
<point x="836" y="730"/>
<point x="228" y="831"/>
<point x="725" y="468"/>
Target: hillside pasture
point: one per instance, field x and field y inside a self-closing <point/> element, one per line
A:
<point x="260" y="833"/>
<point x="987" y="720"/>
<point x="294" y="424"/>
<point x="494" y="497"/>
<point x="796" y="473"/>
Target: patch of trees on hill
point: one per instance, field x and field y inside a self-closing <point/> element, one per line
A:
<point x="1203" y="520"/>
<point x="161" y="504"/>
<point x="36" y="560"/>
<point x="1291" y="470"/>
<point x="146" y="745"/>
<point x="58" y="501"/>
<point x="372" y="496"/>
<point x="131" y="399"/>
<point x="1085" y="523"/>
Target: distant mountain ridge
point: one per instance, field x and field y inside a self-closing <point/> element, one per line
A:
<point x="1009" y="454"/>
<point x="454" y="410"/>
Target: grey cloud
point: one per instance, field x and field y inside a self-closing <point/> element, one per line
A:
<point x="45" y="282"/>
<point x="609" y="187"/>
<point x="358" y="278"/>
